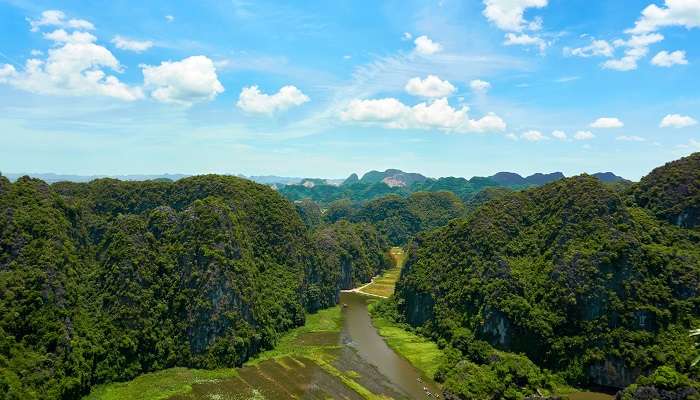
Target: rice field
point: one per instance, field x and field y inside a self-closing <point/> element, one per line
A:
<point x="383" y="286"/>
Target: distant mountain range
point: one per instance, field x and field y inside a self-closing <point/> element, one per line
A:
<point x="52" y="178"/>
<point x="391" y="177"/>
<point x="396" y="177"/>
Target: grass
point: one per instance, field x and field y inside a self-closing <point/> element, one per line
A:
<point x="158" y="385"/>
<point x="328" y="320"/>
<point x="384" y="285"/>
<point x="422" y="353"/>
<point x="177" y="381"/>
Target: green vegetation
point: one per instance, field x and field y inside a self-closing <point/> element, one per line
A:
<point x="423" y="353"/>
<point x="383" y="286"/>
<point x="357" y="250"/>
<point x="571" y="277"/>
<point x="159" y="385"/>
<point x="103" y="281"/>
<point x="328" y="321"/>
<point x="672" y="191"/>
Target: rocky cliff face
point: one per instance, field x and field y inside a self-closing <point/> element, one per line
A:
<point x="563" y="274"/>
<point x="112" y="279"/>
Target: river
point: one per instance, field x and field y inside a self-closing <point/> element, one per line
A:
<point x="359" y="333"/>
<point x="355" y="363"/>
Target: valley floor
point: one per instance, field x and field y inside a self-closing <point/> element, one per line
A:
<point x="325" y="358"/>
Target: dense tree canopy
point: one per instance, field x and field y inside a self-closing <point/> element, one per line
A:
<point x="672" y="191"/>
<point x="566" y="274"/>
<point x="107" y="280"/>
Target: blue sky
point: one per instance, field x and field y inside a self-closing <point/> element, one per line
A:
<point x="326" y="88"/>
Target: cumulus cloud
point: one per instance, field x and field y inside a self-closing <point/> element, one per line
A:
<point x="407" y="36"/>
<point x="488" y="123"/>
<point x="479" y="86"/>
<point x="597" y="48"/>
<point x="677" y="121"/>
<point x="58" y="18"/>
<point x="666" y="59"/>
<point x="7" y="72"/>
<point x="584" y="135"/>
<point x="436" y="114"/>
<point x="74" y="67"/>
<point x="374" y="110"/>
<point x="184" y="82"/>
<point x="431" y="86"/>
<point x="137" y="46"/>
<point x="253" y="100"/>
<point x="637" y="48"/>
<point x="169" y="18"/>
<point x="425" y="46"/>
<point x="607" y="123"/>
<point x="630" y="138"/>
<point x="561" y="135"/>
<point x="61" y="36"/>
<point x="508" y="15"/>
<point x="524" y="39"/>
<point x="533" y="136"/>
<point x="684" y="13"/>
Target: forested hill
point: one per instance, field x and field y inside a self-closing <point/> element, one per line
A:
<point x="375" y="184"/>
<point x="582" y="279"/>
<point x="105" y="280"/>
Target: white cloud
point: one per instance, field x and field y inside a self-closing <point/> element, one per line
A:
<point x="437" y="114"/>
<point x="561" y="135"/>
<point x="666" y="59"/>
<point x="184" y="82"/>
<point x="533" y="136"/>
<point x="607" y="123"/>
<point x="169" y="18"/>
<point x="684" y="13"/>
<point x="374" y="110"/>
<point x="630" y="138"/>
<point x="7" y="72"/>
<point x="677" y="121"/>
<point x="692" y="144"/>
<point x="565" y="79"/>
<point x="488" y="123"/>
<point x="524" y="39"/>
<point x="36" y="53"/>
<point x="584" y="135"/>
<point x="58" y="18"/>
<point x="407" y="36"/>
<point x="425" y="46"/>
<point x="61" y="36"/>
<point x="137" y="46"/>
<point x="75" y="67"/>
<point x="637" y="48"/>
<point x="597" y="48"/>
<point x="479" y="86"/>
<point x="508" y="15"/>
<point x="431" y="86"/>
<point x="253" y="100"/>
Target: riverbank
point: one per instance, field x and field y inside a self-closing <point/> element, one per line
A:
<point x="421" y="352"/>
<point x="383" y="285"/>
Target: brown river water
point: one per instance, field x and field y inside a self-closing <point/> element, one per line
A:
<point x="361" y="354"/>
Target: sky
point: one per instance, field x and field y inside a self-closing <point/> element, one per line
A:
<point x="326" y="88"/>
